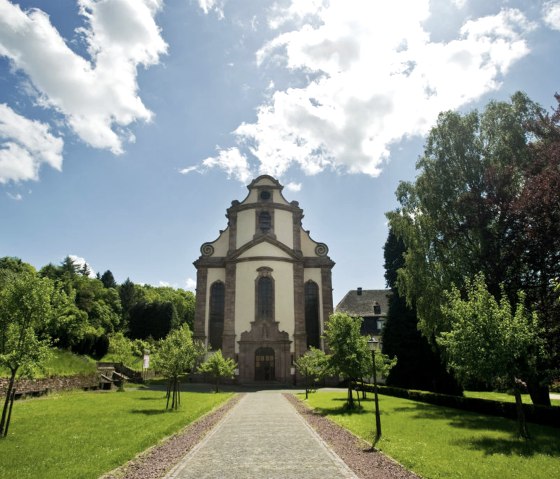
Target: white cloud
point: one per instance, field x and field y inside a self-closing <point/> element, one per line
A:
<point x="233" y="162"/>
<point x="375" y="78"/>
<point x="15" y="197"/>
<point x="188" y="169"/>
<point x="25" y="145"/>
<point x="212" y="5"/>
<point x="80" y="262"/>
<point x="551" y="14"/>
<point x="98" y="97"/>
<point x="459" y="3"/>
<point x="293" y="186"/>
<point x="190" y="284"/>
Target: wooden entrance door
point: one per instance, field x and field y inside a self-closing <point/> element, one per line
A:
<point x="264" y="364"/>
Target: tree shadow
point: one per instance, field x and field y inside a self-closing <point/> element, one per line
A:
<point x="149" y="412"/>
<point x="544" y="440"/>
<point x="544" y="444"/>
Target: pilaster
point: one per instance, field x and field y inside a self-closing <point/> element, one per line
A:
<point x="200" y="306"/>
<point x="228" y="341"/>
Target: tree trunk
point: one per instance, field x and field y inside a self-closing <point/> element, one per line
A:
<point x="168" y="394"/>
<point x="350" y="395"/>
<point x="10" y="412"/>
<point x="540" y="395"/>
<point x="217" y="383"/>
<point x="523" y="431"/>
<point x="3" y="426"/>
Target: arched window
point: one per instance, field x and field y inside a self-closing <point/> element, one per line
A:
<point x="216" y="327"/>
<point x="265" y="298"/>
<point x="312" y="314"/>
<point x="265" y="221"/>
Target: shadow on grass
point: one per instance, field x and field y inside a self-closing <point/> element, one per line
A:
<point x="544" y="440"/>
<point x="149" y="412"/>
<point x="540" y="444"/>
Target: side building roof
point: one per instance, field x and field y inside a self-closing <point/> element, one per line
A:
<point x="362" y="302"/>
<point x="370" y="304"/>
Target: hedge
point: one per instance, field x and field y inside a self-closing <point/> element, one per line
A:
<point x="547" y="416"/>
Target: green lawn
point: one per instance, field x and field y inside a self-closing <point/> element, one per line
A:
<point x="504" y="397"/>
<point x="85" y="434"/>
<point x="437" y="442"/>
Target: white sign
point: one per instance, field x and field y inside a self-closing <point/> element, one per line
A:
<point x="146" y="361"/>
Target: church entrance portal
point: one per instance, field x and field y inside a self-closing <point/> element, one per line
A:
<point x="264" y="364"/>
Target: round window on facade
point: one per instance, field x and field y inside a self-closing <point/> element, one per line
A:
<point x="265" y="195"/>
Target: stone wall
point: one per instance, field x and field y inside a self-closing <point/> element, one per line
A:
<point x="52" y="384"/>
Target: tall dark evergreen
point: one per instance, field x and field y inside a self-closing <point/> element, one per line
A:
<point x="418" y="365"/>
<point x="153" y="320"/>
<point x="108" y="279"/>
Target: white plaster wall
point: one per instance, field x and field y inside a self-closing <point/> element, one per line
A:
<point x="214" y="274"/>
<point x="246" y="273"/>
<point x="283" y="227"/>
<point x="264" y="249"/>
<point x="245" y="227"/>
<point x="307" y="244"/>
<point x="221" y="245"/>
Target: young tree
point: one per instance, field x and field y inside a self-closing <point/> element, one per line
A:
<point x="218" y="367"/>
<point x="25" y="308"/>
<point x="313" y="366"/>
<point x="120" y="348"/>
<point x="489" y="342"/>
<point x="349" y="353"/>
<point x="176" y="355"/>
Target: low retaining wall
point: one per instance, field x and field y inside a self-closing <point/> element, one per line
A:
<point x="52" y="384"/>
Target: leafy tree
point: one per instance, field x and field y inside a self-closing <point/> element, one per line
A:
<point x="15" y="265"/>
<point x="419" y="364"/>
<point x="69" y="324"/>
<point x="108" y="280"/>
<point x="488" y="341"/>
<point x="349" y="353"/>
<point x="183" y="301"/>
<point x="218" y="367"/>
<point x="461" y="216"/>
<point x="313" y="366"/>
<point x="25" y="308"/>
<point x="120" y="348"/>
<point x="176" y="355"/>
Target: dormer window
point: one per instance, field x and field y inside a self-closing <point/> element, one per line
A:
<point x="265" y="221"/>
<point x="376" y="308"/>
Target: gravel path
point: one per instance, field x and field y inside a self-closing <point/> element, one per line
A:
<point x="354" y="451"/>
<point x="157" y="461"/>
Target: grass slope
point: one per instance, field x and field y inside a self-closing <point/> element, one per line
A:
<point x="63" y="363"/>
<point x="437" y="442"/>
<point x="85" y="434"/>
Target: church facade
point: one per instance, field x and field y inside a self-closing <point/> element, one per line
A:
<point x="264" y="288"/>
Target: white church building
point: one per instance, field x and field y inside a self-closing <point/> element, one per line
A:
<point x="264" y="288"/>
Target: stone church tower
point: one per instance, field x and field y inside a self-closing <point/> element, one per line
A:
<point x="264" y="286"/>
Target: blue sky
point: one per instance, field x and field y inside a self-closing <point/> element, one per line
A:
<point x="128" y="126"/>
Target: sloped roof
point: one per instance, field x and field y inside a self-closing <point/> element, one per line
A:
<point x="362" y="304"/>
